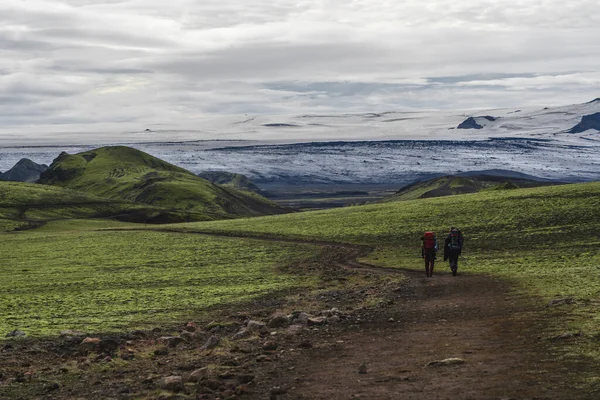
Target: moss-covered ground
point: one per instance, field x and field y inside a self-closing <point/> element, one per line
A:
<point x="65" y="276"/>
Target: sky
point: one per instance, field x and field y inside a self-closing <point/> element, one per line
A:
<point x="94" y="65"/>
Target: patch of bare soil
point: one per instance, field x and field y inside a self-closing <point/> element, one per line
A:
<point x="367" y="335"/>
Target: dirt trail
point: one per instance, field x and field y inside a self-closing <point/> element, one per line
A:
<point x="495" y="334"/>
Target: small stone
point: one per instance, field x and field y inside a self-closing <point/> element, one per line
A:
<point x="199" y="374"/>
<point x="139" y="334"/>
<point x="446" y="362"/>
<point x="241" y="334"/>
<point x="163" y="351"/>
<point x="191" y="327"/>
<point x="90" y="344"/>
<point x="391" y="320"/>
<point x="278" y="391"/>
<point x="171" y="341"/>
<point x="16" y="333"/>
<point x="302" y="318"/>
<point x="172" y="383"/>
<point x="334" y="319"/>
<point x="211" y="343"/>
<point x="187" y="336"/>
<point x="279" y="321"/>
<point x="306" y="344"/>
<point x="362" y="369"/>
<point x="110" y="345"/>
<point x="256" y="326"/>
<point x="316" y="321"/>
<point x="270" y="345"/>
<point x="263" y="358"/>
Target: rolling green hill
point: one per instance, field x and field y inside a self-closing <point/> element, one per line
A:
<point x="26" y="205"/>
<point x="453" y="185"/>
<point x="123" y="173"/>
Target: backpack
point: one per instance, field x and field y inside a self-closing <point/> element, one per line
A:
<point x="455" y="240"/>
<point x="429" y="241"/>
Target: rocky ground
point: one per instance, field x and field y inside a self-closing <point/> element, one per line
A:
<point x="371" y="334"/>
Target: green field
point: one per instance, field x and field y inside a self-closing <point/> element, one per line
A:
<point x="546" y="240"/>
<point x="65" y="277"/>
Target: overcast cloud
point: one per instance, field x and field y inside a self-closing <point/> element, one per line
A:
<point x="93" y="65"/>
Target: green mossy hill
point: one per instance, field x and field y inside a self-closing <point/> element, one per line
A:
<point x="128" y="174"/>
<point x="229" y="179"/>
<point x="453" y="185"/>
<point x="26" y="205"/>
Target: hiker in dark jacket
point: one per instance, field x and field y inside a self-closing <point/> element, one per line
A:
<point x="453" y="248"/>
<point x="428" y="252"/>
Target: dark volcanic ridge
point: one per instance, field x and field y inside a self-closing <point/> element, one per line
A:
<point x="471" y="122"/>
<point x="588" y="122"/>
<point x="24" y="171"/>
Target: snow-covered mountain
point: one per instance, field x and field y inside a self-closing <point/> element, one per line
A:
<point x="374" y="148"/>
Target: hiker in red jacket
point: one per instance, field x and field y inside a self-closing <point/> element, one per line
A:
<point x="428" y="251"/>
<point x="453" y="248"/>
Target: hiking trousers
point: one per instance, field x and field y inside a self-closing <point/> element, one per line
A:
<point x="429" y="262"/>
<point x="453" y="259"/>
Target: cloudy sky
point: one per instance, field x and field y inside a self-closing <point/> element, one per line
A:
<point x="105" y="64"/>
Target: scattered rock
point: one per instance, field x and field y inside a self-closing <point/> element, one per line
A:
<point x="270" y="345"/>
<point x="334" y="319"/>
<point x="362" y="369"/>
<point x="163" y="351"/>
<point x="316" y="321"/>
<point x="241" y="334"/>
<point x="139" y="334"/>
<point x="90" y="344"/>
<point x="212" y="384"/>
<point x="188" y="336"/>
<point x="16" y="333"/>
<point x="446" y="362"/>
<point x="172" y="383"/>
<point x="263" y="358"/>
<point x="110" y="345"/>
<point x="306" y="344"/>
<point x="330" y="313"/>
<point x="279" y="321"/>
<point x="171" y="341"/>
<point x="277" y="391"/>
<point x="302" y="317"/>
<point x="257" y="326"/>
<point x="191" y="327"/>
<point x="199" y="374"/>
<point x="211" y="343"/>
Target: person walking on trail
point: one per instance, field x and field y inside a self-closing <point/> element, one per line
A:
<point x="428" y="252"/>
<point x="453" y="246"/>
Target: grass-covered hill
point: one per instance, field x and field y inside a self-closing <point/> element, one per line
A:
<point x="453" y="184"/>
<point x="123" y="173"/>
<point x="26" y="205"/>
